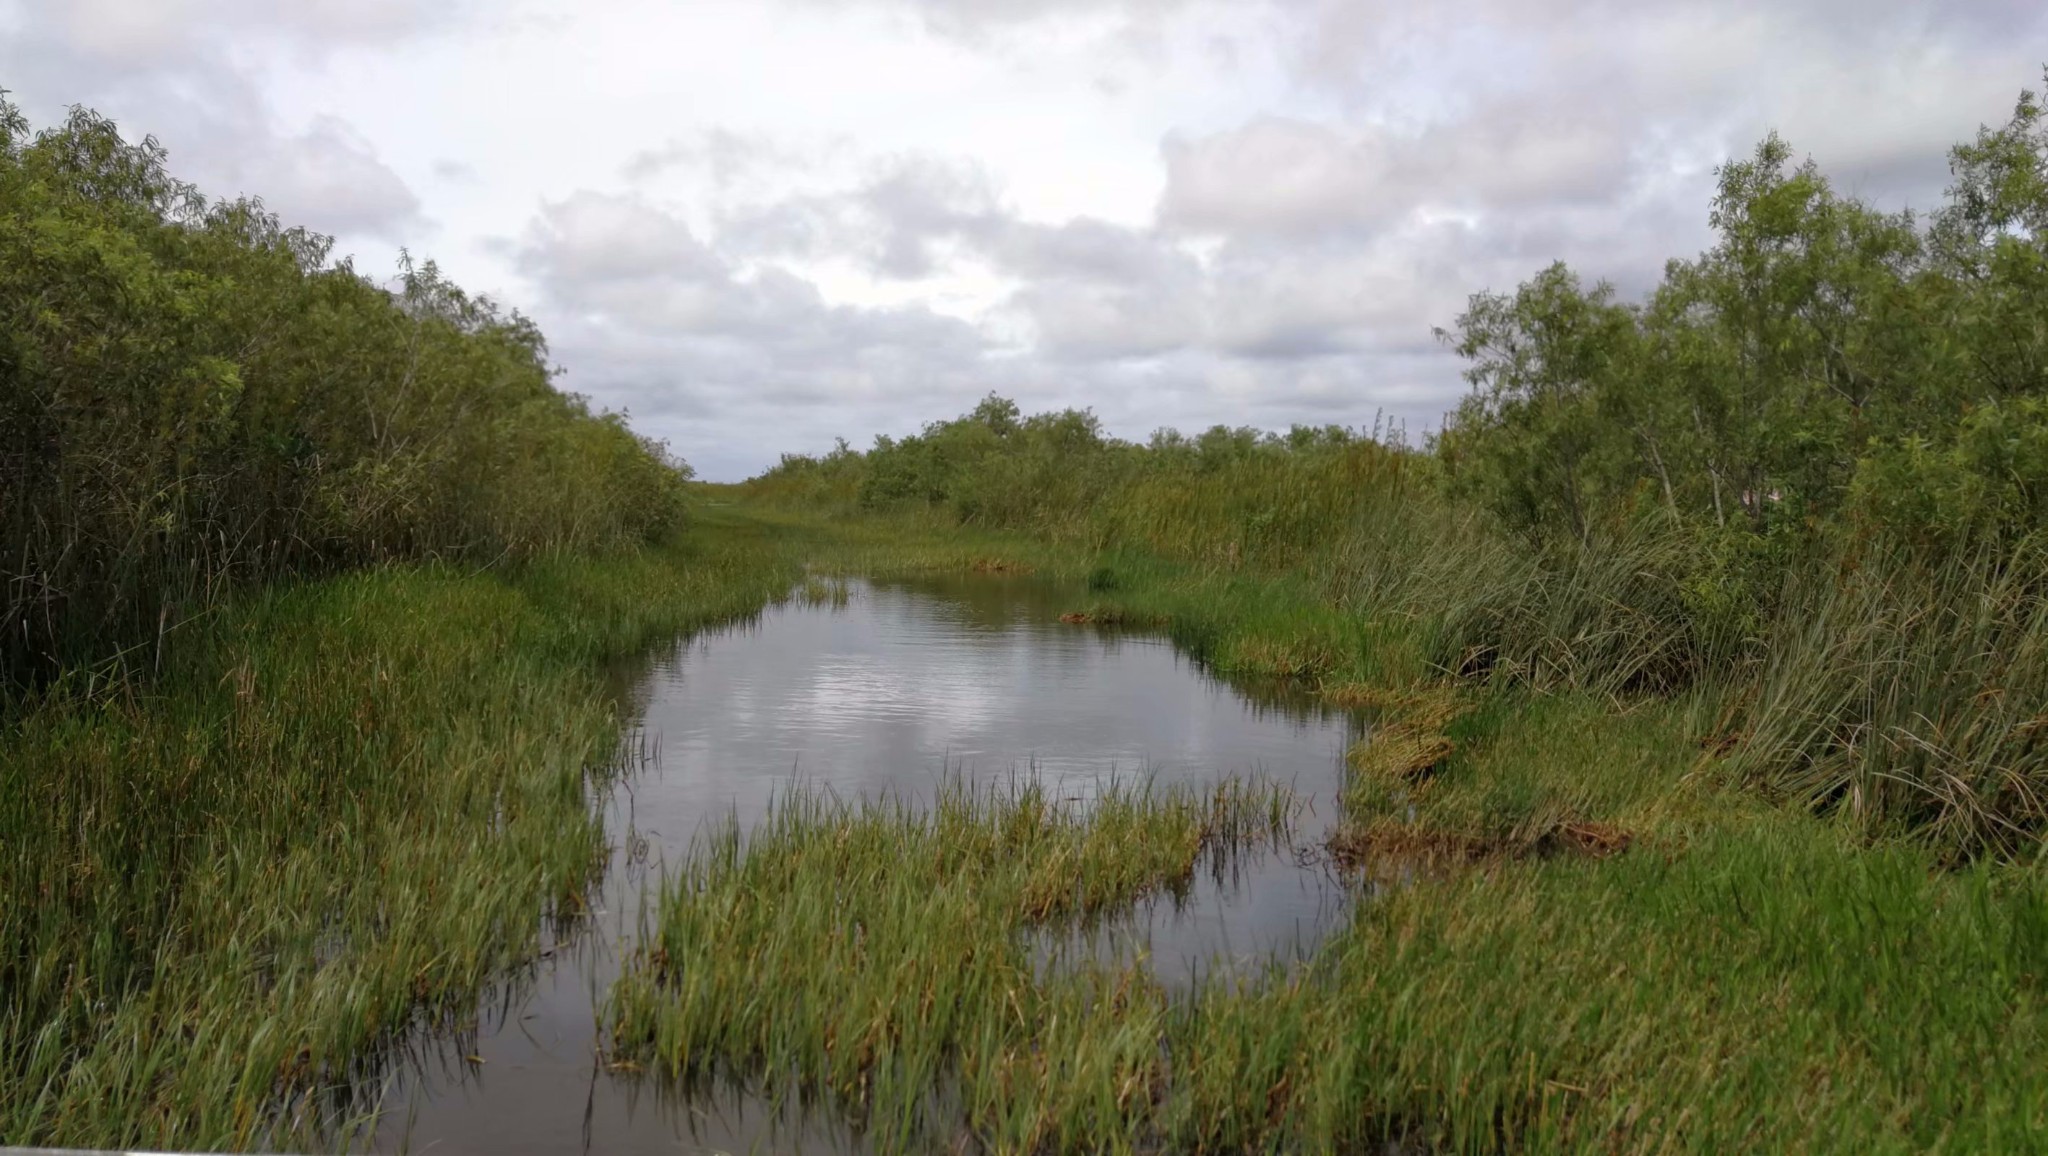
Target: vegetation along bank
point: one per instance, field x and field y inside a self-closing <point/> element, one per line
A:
<point x="1707" y="649"/>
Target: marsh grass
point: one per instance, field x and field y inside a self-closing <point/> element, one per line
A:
<point x="1509" y="776"/>
<point x="1625" y="941"/>
<point x="1911" y="697"/>
<point x="341" y="807"/>
<point x="1743" y="978"/>
<point x="881" y="958"/>
<point x="1773" y="988"/>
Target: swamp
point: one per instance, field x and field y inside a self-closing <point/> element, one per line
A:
<point x="1654" y="758"/>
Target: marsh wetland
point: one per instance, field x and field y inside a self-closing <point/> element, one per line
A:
<point x="1652" y="760"/>
<point x="857" y="692"/>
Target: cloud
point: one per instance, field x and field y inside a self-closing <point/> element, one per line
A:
<point x="1130" y="320"/>
<point x="620" y="263"/>
<point x="1175" y="211"/>
<point x="649" y="318"/>
<point x="1110" y="322"/>
<point x="1262" y="321"/>
<point x="327" y="177"/>
<point x="727" y="161"/>
<point x="1086" y="249"/>
<point x="1876" y="90"/>
<point x="594" y="239"/>
<point x="1091" y="290"/>
<point x="893" y="223"/>
<point x="984" y="22"/>
<point x="1293" y="178"/>
<point x="141" y="33"/>
<point x="915" y="201"/>
<point x="160" y="67"/>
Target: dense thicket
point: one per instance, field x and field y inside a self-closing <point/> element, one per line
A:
<point x="1810" y="469"/>
<point x="1824" y="362"/>
<point x="192" y="394"/>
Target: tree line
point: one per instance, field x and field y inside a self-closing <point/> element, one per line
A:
<point x="1807" y="473"/>
<point x="194" y="395"/>
<point x="1824" y="362"/>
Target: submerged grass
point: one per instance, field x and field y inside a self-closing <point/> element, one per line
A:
<point x="339" y="806"/>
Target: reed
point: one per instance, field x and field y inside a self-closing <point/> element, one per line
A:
<point x="1730" y="976"/>
<point x="339" y="809"/>
<point x="1909" y="694"/>
<point x="886" y="959"/>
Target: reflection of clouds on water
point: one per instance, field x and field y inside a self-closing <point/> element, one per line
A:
<point x="890" y="693"/>
<point x="901" y="684"/>
<point x="905" y="685"/>
<point x="943" y="696"/>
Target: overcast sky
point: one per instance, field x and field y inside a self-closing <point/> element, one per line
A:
<point x="757" y="225"/>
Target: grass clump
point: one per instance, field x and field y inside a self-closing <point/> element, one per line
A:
<point x="885" y="959"/>
<point x="1909" y="696"/>
<point x="1467" y="779"/>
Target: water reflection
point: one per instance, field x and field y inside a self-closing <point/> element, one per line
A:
<point x="891" y="689"/>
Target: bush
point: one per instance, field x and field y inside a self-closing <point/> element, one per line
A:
<point x="193" y="395"/>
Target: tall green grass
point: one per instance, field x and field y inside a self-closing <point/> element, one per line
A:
<point x="1740" y="978"/>
<point x="1774" y="987"/>
<point x="1911" y="696"/>
<point x="880" y="959"/>
<point x="343" y="805"/>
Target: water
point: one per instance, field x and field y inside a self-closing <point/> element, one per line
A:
<point x="892" y="689"/>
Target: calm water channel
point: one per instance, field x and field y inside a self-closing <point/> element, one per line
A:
<point x="891" y="689"/>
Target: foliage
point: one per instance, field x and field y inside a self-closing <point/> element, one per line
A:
<point x="193" y="395"/>
<point x="1825" y="364"/>
<point x="1762" y="476"/>
<point x="344" y="808"/>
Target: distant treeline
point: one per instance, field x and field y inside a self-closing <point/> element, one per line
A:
<point x="193" y="395"/>
<point x="1810" y="470"/>
<point x="1826" y="362"/>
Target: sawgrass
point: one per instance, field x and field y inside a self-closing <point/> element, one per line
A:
<point x="1579" y="927"/>
<point x="879" y="958"/>
<point x="340" y="806"/>
<point x="1584" y="923"/>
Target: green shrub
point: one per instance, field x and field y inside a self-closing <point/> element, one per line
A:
<point x="193" y="395"/>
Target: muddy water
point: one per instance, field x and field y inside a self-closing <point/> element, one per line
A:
<point x="893" y="688"/>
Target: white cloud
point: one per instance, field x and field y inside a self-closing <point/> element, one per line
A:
<point x="1288" y="177"/>
<point x="163" y="68"/>
<point x="329" y="178"/>
<point x="759" y="224"/>
<point x="649" y="318"/>
<point x="156" y="32"/>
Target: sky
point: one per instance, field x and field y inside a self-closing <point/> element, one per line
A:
<point x="756" y="226"/>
